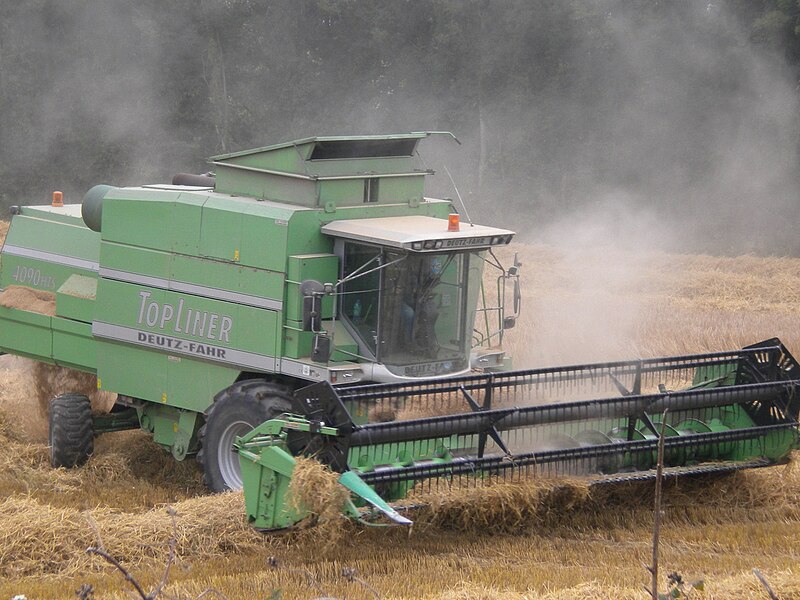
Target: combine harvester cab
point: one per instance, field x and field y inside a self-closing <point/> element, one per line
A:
<point x="205" y="303"/>
<point x="724" y="412"/>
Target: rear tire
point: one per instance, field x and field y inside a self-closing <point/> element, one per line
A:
<point x="235" y="412"/>
<point x="71" y="430"/>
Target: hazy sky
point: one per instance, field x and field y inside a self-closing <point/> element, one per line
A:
<point x="662" y="121"/>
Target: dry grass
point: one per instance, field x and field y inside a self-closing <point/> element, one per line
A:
<point x="315" y="490"/>
<point x="39" y="538"/>
<point x="51" y="380"/>
<point x="500" y="507"/>
<point x="128" y="472"/>
<point x="406" y="408"/>
<point x="541" y="540"/>
<point x="32" y="300"/>
<point x="18" y="399"/>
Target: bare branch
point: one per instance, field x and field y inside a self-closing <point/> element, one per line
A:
<point x="657" y="508"/>
<point x="113" y="561"/>
<point x="349" y="573"/>
<point x="311" y="581"/>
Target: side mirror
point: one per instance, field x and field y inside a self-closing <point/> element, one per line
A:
<point x="513" y="273"/>
<point x="312" y="292"/>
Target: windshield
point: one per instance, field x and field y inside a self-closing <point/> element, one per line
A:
<point x="422" y="322"/>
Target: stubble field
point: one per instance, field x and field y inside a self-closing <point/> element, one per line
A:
<point x="509" y="543"/>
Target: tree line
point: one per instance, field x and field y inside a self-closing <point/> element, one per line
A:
<point x="681" y="113"/>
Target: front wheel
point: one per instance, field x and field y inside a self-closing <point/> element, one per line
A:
<point x="235" y="412"/>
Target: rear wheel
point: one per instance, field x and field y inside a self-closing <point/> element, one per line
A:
<point x="235" y="412"/>
<point x="71" y="431"/>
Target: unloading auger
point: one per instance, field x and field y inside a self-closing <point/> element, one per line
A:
<point x="724" y="411"/>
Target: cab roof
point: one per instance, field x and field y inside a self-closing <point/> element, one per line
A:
<point x="417" y="233"/>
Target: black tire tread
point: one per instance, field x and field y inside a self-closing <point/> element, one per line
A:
<point x="71" y="430"/>
<point x="274" y="398"/>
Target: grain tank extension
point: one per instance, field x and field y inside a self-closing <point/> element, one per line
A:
<point x="205" y="303"/>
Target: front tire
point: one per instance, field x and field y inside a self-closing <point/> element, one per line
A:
<point x="71" y="430"/>
<point x="235" y="412"/>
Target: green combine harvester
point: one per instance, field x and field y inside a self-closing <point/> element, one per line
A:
<point x="307" y="299"/>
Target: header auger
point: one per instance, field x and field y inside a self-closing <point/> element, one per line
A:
<point x="724" y="411"/>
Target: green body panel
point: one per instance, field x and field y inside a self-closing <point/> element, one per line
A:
<point x="291" y="173"/>
<point x="320" y="267"/>
<point x="176" y="381"/>
<point x="390" y="190"/>
<point x="173" y="429"/>
<point x="44" y="248"/>
<point x="265" y="495"/>
<point x="279" y="157"/>
<point x="265" y="234"/>
<point x="268" y="187"/>
<point x="228" y="277"/>
<point x="176" y="330"/>
<point x="221" y="230"/>
<point x="341" y="192"/>
<point x="26" y="333"/>
<point x="345" y="347"/>
<point x="179" y="269"/>
<point x="366" y="166"/>
<point x="153" y="218"/>
<point x="47" y="339"/>
<point x="289" y="160"/>
<point x="73" y="345"/>
<point x="296" y="343"/>
<point x="120" y="367"/>
<point x="401" y="190"/>
<point x="132" y="259"/>
<point x="44" y="229"/>
<point x="76" y="298"/>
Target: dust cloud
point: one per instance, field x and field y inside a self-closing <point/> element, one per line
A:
<point x="671" y="105"/>
<point x="669" y="114"/>
<point x="601" y="132"/>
